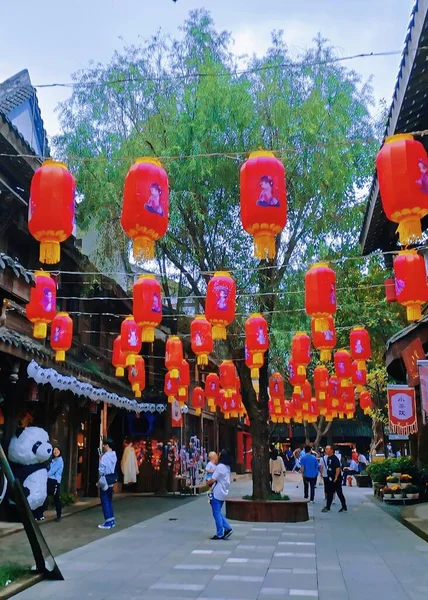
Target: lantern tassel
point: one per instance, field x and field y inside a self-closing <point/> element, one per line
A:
<point x="210" y="402"/>
<point x="40" y="330"/>
<point x="120" y="372"/>
<point x="138" y="394"/>
<point x="135" y="387"/>
<point x="212" y="408"/>
<point x="144" y="248"/>
<point x="256" y="385"/>
<point x="202" y="360"/>
<point x="264" y="245"/>
<point x="325" y="355"/>
<point x="60" y="355"/>
<point x="171" y="399"/>
<point x="359" y="389"/>
<point x="219" y="332"/>
<point x="50" y="252"/>
<point x="361" y="365"/>
<point x="148" y="334"/>
<point x="413" y="312"/>
<point x="409" y="230"/>
<point x="255" y="373"/>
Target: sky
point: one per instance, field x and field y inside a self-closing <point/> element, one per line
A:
<point x="53" y="39"/>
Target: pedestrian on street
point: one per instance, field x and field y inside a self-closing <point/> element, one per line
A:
<point x="310" y="468"/>
<point x="220" y="481"/>
<point x="334" y="481"/>
<point x="106" y="481"/>
<point x="55" y="470"/>
<point x="277" y="472"/>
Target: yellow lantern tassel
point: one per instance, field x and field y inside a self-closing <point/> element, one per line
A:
<point x="367" y="411"/>
<point x="321" y="324"/>
<point x="414" y="312"/>
<point x="60" y="355"/>
<point x="341" y="415"/>
<point x="226" y="415"/>
<point x="50" y="252"/>
<point x="212" y="408"/>
<point x="120" y="372"/>
<point x="137" y="394"/>
<point x="135" y="387"/>
<point x="325" y="355"/>
<point x="144" y="248"/>
<point x="255" y="373"/>
<point x="328" y="418"/>
<point x="181" y="403"/>
<point x="256" y="385"/>
<point x="148" y="334"/>
<point x="264" y="245"/>
<point x="301" y="370"/>
<point x="203" y="360"/>
<point x="171" y="399"/>
<point x="361" y="365"/>
<point x="40" y="330"/>
<point x="359" y="389"/>
<point x="409" y="230"/>
<point x="219" y="332"/>
<point x="210" y="402"/>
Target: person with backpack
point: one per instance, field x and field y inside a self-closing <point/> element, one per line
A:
<point x="107" y="479"/>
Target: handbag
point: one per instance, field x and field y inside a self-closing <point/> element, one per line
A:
<point x="111" y="478"/>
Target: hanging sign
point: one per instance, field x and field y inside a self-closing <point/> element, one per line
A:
<point x="176" y="416"/>
<point x="402" y="409"/>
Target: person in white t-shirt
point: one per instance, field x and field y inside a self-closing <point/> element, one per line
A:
<point x="220" y="481"/>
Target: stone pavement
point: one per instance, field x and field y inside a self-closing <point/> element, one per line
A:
<point x="360" y="555"/>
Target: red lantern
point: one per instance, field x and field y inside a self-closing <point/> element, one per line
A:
<point x="184" y="381"/>
<point x="61" y="335"/>
<point x="320" y="294"/>
<point x="359" y="376"/>
<point x="334" y="390"/>
<point x="263" y="201"/>
<point x="219" y="399"/>
<point x="130" y="336"/>
<point x="147" y="305"/>
<point x="289" y="412"/>
<point x="342" y="366"/>
<point x="212" y="386"/>
<point x="276" y="386"/>
<point x="228" y="377"/>
<point x="324" y="341"/>
<point x="314" y="411"/>
<point x="402" y="170"/>
<point x="173" y="356"/>
<point x="347" y="399"/>
<point x="359" y="339"/>
<point x="170" y="388"/>
<point x="321" y="382"/>
<point x="51" y="208"/>
<point x="137" y="376"/>
<point x="256" y="339"/>
<point x="201" y="338"/>
<point x="410" y="282"/>
<point x="254" y="367"/>
<point x="306" y="395"/>
<point x="295" y="378"/>
<point x="366" y="402"/>
<point x="220" y="303"/>
<point x="390" y="294"/>
<point x="119" y="358"/>
<point x="198" y="399"/>
<point x="301" y="351"/>
<point x="42" y="306"/>
<point x="145" y="205"/>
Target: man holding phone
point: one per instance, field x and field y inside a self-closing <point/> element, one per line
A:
<point x="334" y="481"/>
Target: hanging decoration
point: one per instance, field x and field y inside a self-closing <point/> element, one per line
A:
<point x="176" y="414"/>
<point x="321" y="382"/>
<point x="42" y="306"/>
<point x="220" y="303"/>
<point x="320" y="295"/>
<point x="366" y="403"/>
<point x="137" y="376"/>
<point x="201" y="339"/>
<point x="410" y="282"/>
<point x="263" y="201"/>
<point x="256" y="341"/>
<point x="254" y="369"/>
<point x="301" y="351"/>
<point x="359" y="377"/>
<point x="212" y="386"/>
<point x="145" y="206"/>
<point x="342" y="366"/>
<point x="276" y="388"/>
<point x="183" y="381"/>
<point x="359" y="340"/>
<point x="174" y="356"/>
<point x="347" y="399"/>
<point x="119" y="358"/>
<point x="61" y="335"/>
<point x="228" y="378"/>
<point x="295" y="378"/>
<point x="51" y="208"/>
<point x="402" y="409"/>
<point x="170" y="387"/>
<point x="324" y="341"/>
<point x="130" y="339"/>
<point x="402" y="170"/>
<point x="147" y="305"/>
<point x="198" y="399"/>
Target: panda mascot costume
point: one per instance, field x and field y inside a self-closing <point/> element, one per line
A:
<point x="29" y="454"/>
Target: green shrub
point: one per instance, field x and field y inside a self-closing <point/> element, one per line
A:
<point x="379" y="471"/>
<point x="10" y="572"/>
<point x="67" y="499"/>
<point x="273" y="496"/>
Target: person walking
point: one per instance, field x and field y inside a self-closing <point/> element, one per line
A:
<point x="107" y="479"/>
<point x="296" y="456"/>
<point x="310" y="468"/>
<point x="220" y="481"/>
<point x="277" y="472"/>
<point x="54" y="480"/>
<point x="334" y="481"/>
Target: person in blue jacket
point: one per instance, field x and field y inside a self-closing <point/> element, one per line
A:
<point x="55" y="470"/>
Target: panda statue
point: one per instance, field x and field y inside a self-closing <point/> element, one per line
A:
<point x="29" y="454"/>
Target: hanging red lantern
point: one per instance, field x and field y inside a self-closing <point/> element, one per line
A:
<point x="253" y="366"/>
<point x="137" y="376"/>
<point x="61" y="335"/>
<point x="212" y="387"/>
<point x="220" y="303"/>
<point x="42" y="306"/>
<point x="342" y="366"/>
<point x="320" y="294"/>
<point x="334" y="390"/>
<point x="306" y="395"/>
<point x="411" y="282"/>
<point x="198" y="399"/>
<point x="219" y="399"/>
<point x="147" y="305"/>
<point x="201" y="339"/>
<point x="314" y="411"/>
<point x="324" y="341"/>
<point x="173" y="356"/>
<point x="347" y="398"/>
<point x="321" y="382"/>
<point x="225" y="406"/>
<point x="263" y="201"/>
<point x="359" y="376"/>
<point x="296" y="401"/>
<point x="366" y="402"/>
<point x="228" y="377"/>
<point x="145" y="205"/>
<point x="295" y="378"/>
<point x="402" y="170"/>
<point x="51" y="208"/>
<point x="390" y="294"/>
<point x="130" y="336"/>
<point x="276" y="386"/>
<point x="183" y="381"/>
<point x="119" y="358"/>
<point x="289" y="412"/>
<point x="170" y="387"/>
<point x="359" y="339"/>
<point x="301" y="351"/>
<point x="256" y="338"/>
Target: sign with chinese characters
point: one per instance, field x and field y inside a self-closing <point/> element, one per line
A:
<point x="411" y="355"/>
<point x="402" y="409"/>
<point x="176" y="416"/>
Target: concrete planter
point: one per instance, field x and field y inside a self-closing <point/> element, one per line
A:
<point x="270" y="511"/>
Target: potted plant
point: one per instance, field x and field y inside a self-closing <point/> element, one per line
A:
<point x="392" y="479"/>
<point x="411" y="492"/>
<point x="405" y="480"/>
<point x="387" y="493"/>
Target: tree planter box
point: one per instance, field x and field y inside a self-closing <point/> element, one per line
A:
<point x="363" y="481"/>
<point x="414" y="496"/>
<point x="271" y="511"/>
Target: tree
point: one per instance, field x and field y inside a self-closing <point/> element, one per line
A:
<point x="186" y="99"/>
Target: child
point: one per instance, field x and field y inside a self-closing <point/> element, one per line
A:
<point x="211" y="465"/>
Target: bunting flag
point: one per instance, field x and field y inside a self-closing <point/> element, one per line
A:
<point x="176" y="416"/>
<point x="402" y="409"/>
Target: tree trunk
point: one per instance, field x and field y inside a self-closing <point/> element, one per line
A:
<point x="321" y="431"/>
<point x="377" y="443"/>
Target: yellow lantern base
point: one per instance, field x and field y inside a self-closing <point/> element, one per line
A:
<point x="148" y="334"/>
<point x="255" y="373"/>
<point x="135" y="387"/>
<point x="120" y="372"/>
<point x="219" y="332"/>
<point x="321" y="324"/>
<point x="210" y="402"/>
<point x="361" y="365"/>
<point x="321" y="396"/>
<point x="144" y="248"/>
<point x="40" y="330"/>
<point x="409" y="229"/>
<point x="301" y="370"/>
<point x="137" y="394"/>
<point x="50" y="252"/>
<point x="171" y="399"/>
<point x="174" y="373"/>
<point x="325" y="355"/>
<point x="202" y="360"/>
<point x="297" y="389"/>
<point x="182" y="392"/>
<point x="264" y="245"/>
<point x="198" y="411"/>
<point x="359" y="389"/>
<point x="413" y="312"/>
<point x="60" y="355"/>
<point x="212" y="409"/>
<point x="130" y="360"/>
<point x="367" y="411"/>
<point x="328" y="418"/>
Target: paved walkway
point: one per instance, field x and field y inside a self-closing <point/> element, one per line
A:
<point x="362" y="555"/>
